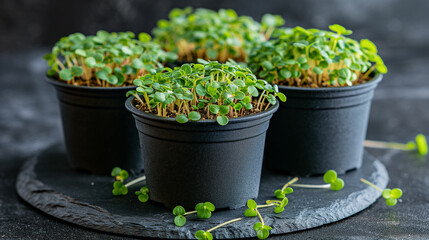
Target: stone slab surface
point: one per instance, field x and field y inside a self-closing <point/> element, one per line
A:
<point x="47" y="183"/>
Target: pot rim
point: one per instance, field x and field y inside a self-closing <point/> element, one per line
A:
<point x="60" y="83"/>
<point x="375" y="80"/>
<point x="130" y="107"/>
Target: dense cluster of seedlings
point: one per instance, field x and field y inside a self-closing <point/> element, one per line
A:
<point x="106" y="59"/>
<point x="212" y="35"/>
<point x="211" y="90"/>
<point x="316" y="58"/>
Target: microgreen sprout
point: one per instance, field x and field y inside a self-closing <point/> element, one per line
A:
<point x="315" y="58"/>
<point x="143" y="194"/>
<point x="262" y="230"/>
<point x="203" y="211"/>
<point x="212" y="35"/>
<point x="390" y="195"/>
<point x="206" y="235"/>
<point x="119" y="188"/>
<point x="210" y="90"/>
<point x="330" y="177"/>
<point x="280" y="193"/>
<point x="420" y="145"/>
<point x="106" y="59"/>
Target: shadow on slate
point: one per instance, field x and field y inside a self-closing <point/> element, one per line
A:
<point x="49" y="184"/>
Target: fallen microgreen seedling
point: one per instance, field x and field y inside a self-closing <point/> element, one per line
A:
<point x="206" y="235"/>
<point x="262" y="230"/>
<point x="119" y="188"/>
<point x="203" y="211"/>
<point x="280" y="193"/>
<point x="330" y="177"/>
<point x="143" y="194"/>
<point x="419" y="145"/>
<point x="390" y="195"/>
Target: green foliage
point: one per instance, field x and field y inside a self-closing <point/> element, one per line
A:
<point x="204" y="210"/>
<point x="251" y="211"/>
<point x="119" y="188"/>
<point x="203" y="235"/>
<point x="280" y="194"/>
<point x="143" y="194"/>
<point x="391" y="195"/>
<point x="119" y="174"/>
<point x="331" y="178"/>
<point x="105" y="59"/>
<point x="212" y="35"/>
<point x="315" y="58"/>
<point x="221" y="91"/>
<point x="262" y="231"/>
<point x="420" y="144"/>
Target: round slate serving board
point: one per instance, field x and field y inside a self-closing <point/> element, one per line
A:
<point x="49" y="184"/>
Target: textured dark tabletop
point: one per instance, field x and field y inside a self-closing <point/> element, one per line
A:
<point x="29" y="122"/>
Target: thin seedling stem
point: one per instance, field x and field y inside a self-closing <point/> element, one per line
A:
<point x="311" y="186"/>
<point x="225" y="223"/>
<point x="379" y="144"/>
<point x="260" y="217"/>
<point x="289" y="183"/>
<point x="191" y="212"/>
<point x="140" y="179"/>
<point x="371" y="184"/>
<point x="266" y="205"/>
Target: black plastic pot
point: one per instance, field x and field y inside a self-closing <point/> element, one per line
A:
<point x="202" y="161"/>
<point x="318" y="129"/>
<point x="99" y="132"/>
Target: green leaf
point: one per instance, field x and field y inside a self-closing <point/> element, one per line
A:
<point x="204" y="213"/>
<point x="285" y="73"/>
<point x="117" y="184"/>
<point x="422" y="145"/>
<point x="301" y="60"/>
<point x="202" y="235"/>
<point x="222" y="120"/>
<point x="90" y="62"/>
<point x="66" y="74"/>
<point x="112" y="79"/>
<point x="178" y="210"/>
<point x="368" y="45"/>
<point x="288" y="190"/>
<point x="179" y="220"/>
<point x="116" y="171"/>
<point x="279" y="209"/>
<point x="214" y="109"/>
<point x="338" y="184"/>
<point x="123" y="174"/>
<point x="284" y="202"/>
<point x="77" y="71"/>
<point x="281" y="96"/>
<point x="386" y="193"/>
<point x="80" y="52"/>
<point x="250" y="213"/>
<point x="181" y="118"/>
<point x="391" y="201"/>
<point x="143" y="197"/>
<point x="194" y="116"/>
<point x="137" y="64"/>
<point x="127" y="50"/>
<point x="330" y="176"/>
<point x="257" y="226"/>
<point x="396" y="193"/>
<point x="224" y="109"/>
<point x="279" y="194"/>
<point x="239" y="95"/>
<point x="144" y="37"/>
<point x="101" y="74"/>
<point x="317" y="70"/>
<point x="267" y="65"/>
<point x="251" y="203"/>
<point x="262" y="234"/>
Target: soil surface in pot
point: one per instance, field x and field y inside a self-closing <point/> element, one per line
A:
<point x="172" y="113"/>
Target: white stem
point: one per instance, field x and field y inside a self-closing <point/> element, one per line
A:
<point x="140" y="179"/>
<point x="311" y="186"/>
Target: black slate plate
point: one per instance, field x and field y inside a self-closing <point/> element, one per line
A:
<point x="49" y="184"/>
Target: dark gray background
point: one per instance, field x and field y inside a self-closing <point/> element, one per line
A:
<point x="29" y="118"/>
